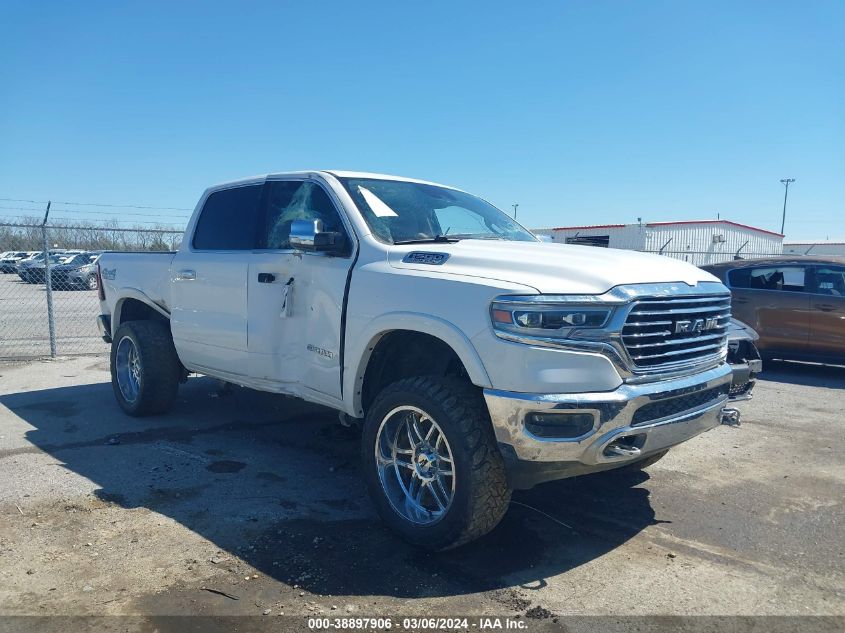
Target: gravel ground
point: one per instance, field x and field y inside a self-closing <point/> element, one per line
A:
<point x="244" y="503"/>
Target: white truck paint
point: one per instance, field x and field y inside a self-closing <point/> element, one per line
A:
<point x="310" y="323"/>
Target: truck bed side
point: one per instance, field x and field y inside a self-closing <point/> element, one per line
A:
<point x="140" y="276"/>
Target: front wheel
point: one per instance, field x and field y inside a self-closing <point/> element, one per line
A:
<point x="145" y="369"/>
<point x="431" y="463"/>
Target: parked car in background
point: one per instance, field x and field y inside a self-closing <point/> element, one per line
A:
<point x="75" y="272"/>
<point x="795" y="304"/>
<point x="10" y="259"/>
<point x="32" y="258"/>
<point x="33" y="271"/>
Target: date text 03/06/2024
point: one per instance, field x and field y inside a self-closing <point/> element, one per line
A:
<point x="485" y="623"/>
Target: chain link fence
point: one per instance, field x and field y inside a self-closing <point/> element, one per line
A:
<point x="48" y="284"/>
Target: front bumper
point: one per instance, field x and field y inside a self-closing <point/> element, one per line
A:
<point x="744" y="377"/>
<point x="629" y="424"/>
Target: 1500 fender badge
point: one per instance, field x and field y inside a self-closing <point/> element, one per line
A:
<point x="320" y="351"/>
<point x="108" y="273"/>
<point x="423" y="257"/>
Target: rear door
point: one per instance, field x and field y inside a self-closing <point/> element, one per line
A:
<point x="209" y="281"/>
<point x="296" y="299"/>
<point x="827" y="311"/>
<point x="774" y="301"/>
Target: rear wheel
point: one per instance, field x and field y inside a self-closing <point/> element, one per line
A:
<point x="145" y="369"/>
<point x="431" y="463"/>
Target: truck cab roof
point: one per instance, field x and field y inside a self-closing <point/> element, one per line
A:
<point x="319" y="172"/>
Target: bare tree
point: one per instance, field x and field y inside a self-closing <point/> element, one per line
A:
<point x="25" y="235"/>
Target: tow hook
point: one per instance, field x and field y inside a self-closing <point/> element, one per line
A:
<point x="731" y="416"/>
<point x="625" y="447"/>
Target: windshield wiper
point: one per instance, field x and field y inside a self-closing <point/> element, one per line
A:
<point x="437" y="239"/>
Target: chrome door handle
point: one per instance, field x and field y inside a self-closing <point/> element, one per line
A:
<point x="186" y="275"/>
<point x="826" y="307"/>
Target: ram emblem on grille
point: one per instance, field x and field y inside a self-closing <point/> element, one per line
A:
<point x="696" y="326"/>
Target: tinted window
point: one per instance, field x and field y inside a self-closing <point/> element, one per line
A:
<point x="785" y="278"/>
<point x="289" y="200"/>
<point x="77" y="259"/>
<point x="829" y="280"/>
<point x="227" y="221"/>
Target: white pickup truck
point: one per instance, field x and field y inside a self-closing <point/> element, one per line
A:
<point x="477" y="358"/>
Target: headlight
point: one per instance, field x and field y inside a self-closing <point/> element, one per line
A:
<point x="544" y="317"/>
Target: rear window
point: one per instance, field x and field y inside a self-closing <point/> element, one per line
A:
<point x="227" y="221"/>
<point x="829" y="280"/>
<point x="784" y="278"/>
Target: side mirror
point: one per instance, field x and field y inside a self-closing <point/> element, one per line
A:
<point x="309" y="236"/>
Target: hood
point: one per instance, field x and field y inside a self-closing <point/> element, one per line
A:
<point x="551" y="268"/>
<point x="738" y="330"/>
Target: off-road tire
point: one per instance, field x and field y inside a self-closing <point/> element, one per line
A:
<point x="160" y="367"/>
<point x="481" y="494"/>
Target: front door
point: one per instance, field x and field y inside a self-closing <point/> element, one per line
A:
<point x="296" y="299"/>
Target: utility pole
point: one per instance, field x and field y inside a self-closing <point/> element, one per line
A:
<point x="514" y="205"/>
<point x="785" y="182"/>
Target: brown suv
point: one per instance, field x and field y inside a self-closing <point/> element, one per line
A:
<point x="796" y="305"/>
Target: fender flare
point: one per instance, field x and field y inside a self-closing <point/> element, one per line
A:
<point x="134" y="293"/>
<point x="363" y="343"/>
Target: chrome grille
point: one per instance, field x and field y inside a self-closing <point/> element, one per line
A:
<point x="676" y="330"/>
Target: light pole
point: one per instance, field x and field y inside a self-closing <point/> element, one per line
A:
<point x="514" y="205"/>
<point x="785" y="182"/>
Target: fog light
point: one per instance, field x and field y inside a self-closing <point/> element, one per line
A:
<point x="560" y="425"/>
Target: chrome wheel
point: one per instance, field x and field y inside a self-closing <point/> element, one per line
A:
<point x="128" y="369"/>
<point x="415" y="465"/>
<point x="92" y="282"/>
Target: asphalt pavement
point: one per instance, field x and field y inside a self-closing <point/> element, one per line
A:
<point x="245" y="503"/>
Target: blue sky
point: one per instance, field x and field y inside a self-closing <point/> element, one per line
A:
<point x="582" y="112"/>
